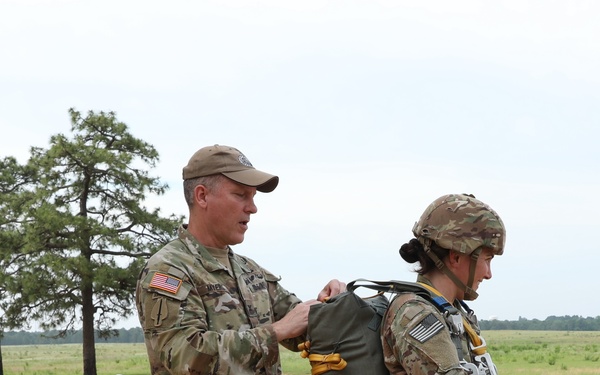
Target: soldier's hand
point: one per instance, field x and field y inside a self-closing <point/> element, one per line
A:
<point x="295" y="322"/>
<point x="334" y="287"/>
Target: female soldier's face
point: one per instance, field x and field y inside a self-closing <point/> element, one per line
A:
<point x="483" y="268"/>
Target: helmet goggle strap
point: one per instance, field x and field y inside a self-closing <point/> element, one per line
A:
<point x="470" y="294"/>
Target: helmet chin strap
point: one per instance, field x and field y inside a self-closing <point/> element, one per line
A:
<point x="470" y="293"/>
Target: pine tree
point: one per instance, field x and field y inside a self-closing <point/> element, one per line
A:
<point x="76" y="231"/>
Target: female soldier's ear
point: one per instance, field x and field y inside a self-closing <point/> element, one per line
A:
<point x="454" y="259"/>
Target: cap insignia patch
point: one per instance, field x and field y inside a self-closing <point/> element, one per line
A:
<point x="244" y="160"/>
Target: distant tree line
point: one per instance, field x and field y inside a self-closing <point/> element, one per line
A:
<point x="131" y="335"/>
<point x="135" y="335"/>
<point x="551" y="323"/>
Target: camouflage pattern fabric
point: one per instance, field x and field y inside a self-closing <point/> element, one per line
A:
<point x="461" y="223"/>
<point x="417" y="341"/>
<point x="198" y="319"/>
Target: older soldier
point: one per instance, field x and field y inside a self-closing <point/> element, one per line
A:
<point x="205" y="309"/>
<point x="435" y="332"/>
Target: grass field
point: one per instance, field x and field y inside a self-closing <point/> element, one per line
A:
<point x="514" y="352"/>
<point x="545" y="352"/>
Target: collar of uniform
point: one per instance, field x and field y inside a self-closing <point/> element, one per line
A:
<point x="208" y="262"/>
<point x="239" y="261"/>
<point x="424" y="280"/>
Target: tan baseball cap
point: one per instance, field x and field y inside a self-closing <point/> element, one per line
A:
<point x="231" y="163"/>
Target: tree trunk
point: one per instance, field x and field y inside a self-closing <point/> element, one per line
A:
<point x="89" y="346"/>
<point x="1" y="366"/>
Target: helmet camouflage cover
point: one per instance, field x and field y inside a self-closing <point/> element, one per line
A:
<point x="462" y="223"/>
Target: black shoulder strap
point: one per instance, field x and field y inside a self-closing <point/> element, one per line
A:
<point x="395" y="286"/>
<point x="390" y="286"/>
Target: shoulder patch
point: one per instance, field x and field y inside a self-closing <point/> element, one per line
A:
<point x="165" y="282"/>
<point x="426" y="329"/>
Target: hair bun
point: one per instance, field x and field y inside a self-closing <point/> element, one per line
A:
<point x="410" y="251"/>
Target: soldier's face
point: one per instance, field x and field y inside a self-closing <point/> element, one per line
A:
<point x="483" y="268"/>
<point x="229" y="208"/>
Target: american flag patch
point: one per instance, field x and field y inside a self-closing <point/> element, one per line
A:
<point x="165" y="282"/>
<point x="426" y="329"/>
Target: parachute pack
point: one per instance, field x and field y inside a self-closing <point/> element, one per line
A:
<point x="343" y="334"/>
<point x="344" y="338"/>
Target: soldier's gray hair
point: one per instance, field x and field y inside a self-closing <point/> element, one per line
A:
<point x="211" y="182"/>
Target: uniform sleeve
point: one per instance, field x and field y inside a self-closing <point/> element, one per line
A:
<point x="283" y="302"/>
<point x="416" y="340"/>
<point x="175" y="325"/>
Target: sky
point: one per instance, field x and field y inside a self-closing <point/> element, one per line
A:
<point x="366" y="110"/>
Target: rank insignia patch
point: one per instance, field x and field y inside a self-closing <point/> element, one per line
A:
<point x="165" y="282"/>
<point x="426" y="329"/>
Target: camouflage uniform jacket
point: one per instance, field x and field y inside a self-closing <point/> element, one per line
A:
<point x="417" y="340"/>
<point x="198" y="319"/>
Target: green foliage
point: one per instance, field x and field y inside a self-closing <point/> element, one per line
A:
<point x="74" y="231"/>
<point x="543" y="352"/>
<point x="551" y="323"/>
<point x="123" y="335"/>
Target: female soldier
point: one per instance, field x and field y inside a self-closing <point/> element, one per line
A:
<point x="433" y="331"/>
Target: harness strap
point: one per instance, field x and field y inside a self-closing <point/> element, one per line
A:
<point x="472" y="267"/>
<point x="479" y="346"/>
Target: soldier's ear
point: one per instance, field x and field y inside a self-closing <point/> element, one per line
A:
<point x="200" y="194"/>
<point x="454" y="259"/>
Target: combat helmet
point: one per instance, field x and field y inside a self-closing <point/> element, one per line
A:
<point x="464" y="224"/>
